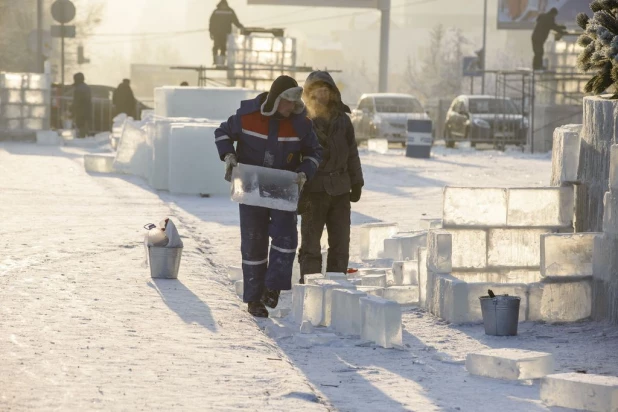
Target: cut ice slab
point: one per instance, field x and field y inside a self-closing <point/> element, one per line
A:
<point x="381" y="321"/>
<point x="265" y="187"/>
<point x="579" y="391"/>
<point x="234" y="273"/>
<point x="99" y="163"/>
<point x="239" y="286"/>
<point x="510" y="364"/>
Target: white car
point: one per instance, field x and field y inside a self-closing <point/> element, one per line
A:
<point x="385" y="116"/>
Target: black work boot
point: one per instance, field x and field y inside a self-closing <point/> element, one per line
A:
<point x="258" y="310"/>
<point x="271" y="298"/>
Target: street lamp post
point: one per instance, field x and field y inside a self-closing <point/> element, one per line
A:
<point x="484" y="47"/>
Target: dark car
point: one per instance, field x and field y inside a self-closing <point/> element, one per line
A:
<point x="102" y="107"/>
<point x="485" y="119"/>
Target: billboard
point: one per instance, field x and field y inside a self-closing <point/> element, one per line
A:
<point x="522" y="14"/>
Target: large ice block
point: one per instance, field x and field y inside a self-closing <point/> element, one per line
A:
<point x="439" y="251"/>
<point x="404" y="295"/>
<point x="381" y="321"/>
<point x="239" y="287"/>
<point x="49" y="137"/>
<point x="372" y="290"/>
<point x="36" y="96"/>
<point x="374" y="280"/>
<point x="610" y="213"/>
<point x="500" y="276"/>
<point x="485" y="207"/>
<point x="307" y="303"/>
<point x="194" y="164"/>
<point x="312" y="278"/>
<point x="265" y="187"/>
<point x="613" y="168"/>
<point x="215" y="103"/>
<point x="404" y="246"/>
<point x="422" y="275"/>
<point x="510" y="364"/>
<point x="99" y="163"/>
<point x="565" y="154"/>
<point x="13" y="80"/>
<point x="469" y="249"/>
<point x="560" y="302"/>
<point x="327" y="287"/>
<point x="133" y="154"/>
<point x="12" y="111"/>
<point x="345" y="315"/>
<point x="372" y="237"/>
<point x="335" y="276"/>
<point x="585" y="392"/>
<point x="406" y="272"/>
<point x="567" y="255"/>
<point x="514" y="248"/>
<point x="426" y="224"/>
<point x="541" y="207"/>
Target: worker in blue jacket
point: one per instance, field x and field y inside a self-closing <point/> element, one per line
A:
<point x="272" y="131"/>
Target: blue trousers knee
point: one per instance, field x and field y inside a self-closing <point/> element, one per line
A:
<point x="264" y="266"/>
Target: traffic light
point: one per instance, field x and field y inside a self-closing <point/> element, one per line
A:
<point x="80" y="56"/>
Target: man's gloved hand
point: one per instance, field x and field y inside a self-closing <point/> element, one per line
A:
<point x="301" y="180"/>
<point x="356" y="192"/>
<point x="230" y="163"/>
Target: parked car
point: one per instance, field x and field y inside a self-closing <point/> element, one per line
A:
<point x="102" y="107"/>
<point x="485" y="119"/>
<point x="385" y="116"/>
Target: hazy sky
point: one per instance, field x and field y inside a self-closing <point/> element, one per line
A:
<point x="121" y="39"/>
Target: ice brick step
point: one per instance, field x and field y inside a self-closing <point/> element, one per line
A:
<point x="595" y="393"/>
<point x="404" y="295"/>
<point x="99" y="163"/>
<point x="485" y="207"/>
<point x="511" y="364"/>
<point x="307" y="303"/>
<point x="404" y="246"/>
<point x="327" y="287"/>
<point x="439" y="251"/>
<point x="312" y="278"/>
<point x="613" y="168"/>
<point x="567" y="255"/>
<point x="335" y="276"/>
<point x="422" y="276"/>
<point x="469" y="249"/>
<point x="514" y="248"/>
<point x="345" y="314"/>
<point x="372" y="237"/>
<point x="374" y="280"/>
<point x="565" y="154"/>
<point x="405" y="272"/>
<point x="308" y="340"/>
<point x="381" y="321"/>
<point x="541" y="207"/>
<point x="234" y="273"/>
<point x="560" y="302"/>
<point x="426" y="224"/>
<point x="49" y="137"/>
<point x="371" y="290"/>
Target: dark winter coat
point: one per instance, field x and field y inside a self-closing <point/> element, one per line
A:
<point x="124" y="100"/>
<point x="222" y="19"/>
<point x="340" y="168"/>
<point x="82" y="102"/>
<point x="545" y="23"/>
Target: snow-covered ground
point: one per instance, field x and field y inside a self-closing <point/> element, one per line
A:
<point x="83" y="327"/>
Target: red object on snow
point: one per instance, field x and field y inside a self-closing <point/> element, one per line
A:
<point x="352" y="270"/>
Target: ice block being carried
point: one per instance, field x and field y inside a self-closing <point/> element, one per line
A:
<point x="265" y="187"/>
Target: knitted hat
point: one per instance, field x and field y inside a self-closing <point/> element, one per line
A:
<point x="284" y="87"/>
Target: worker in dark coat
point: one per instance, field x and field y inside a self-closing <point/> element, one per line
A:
<point x="545" y="23"/>
<point x="82" y="105"/>
<point x="270" y="131"/>
<point x="124" y="100"/>
<point x="221" y="22"/>
<point x="325" y="200"/>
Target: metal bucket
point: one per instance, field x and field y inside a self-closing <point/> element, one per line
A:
<point x="164" y="261"/>
<point x="500" y="315"/>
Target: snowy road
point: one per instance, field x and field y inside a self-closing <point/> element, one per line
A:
<point x="83" y="327"/>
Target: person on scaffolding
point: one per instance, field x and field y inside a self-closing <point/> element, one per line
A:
<point x="271" y="131"/>
<point x="545" y="23"/>
<point x="220" y="27"/>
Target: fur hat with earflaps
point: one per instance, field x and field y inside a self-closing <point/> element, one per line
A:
<point x="284" y="87"/>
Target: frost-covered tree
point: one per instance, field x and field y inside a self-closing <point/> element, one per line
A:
<point x="600" y="43"/>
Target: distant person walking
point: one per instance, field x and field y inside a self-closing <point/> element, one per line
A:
<point x="124" y="100"/>
<point x="545" y="23"/>
<point x="326" y="198"/>
<point x="82" y="105"/>
<point x="221" y="22"/>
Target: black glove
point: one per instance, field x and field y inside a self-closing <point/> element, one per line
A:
<point x="355" y="194"/>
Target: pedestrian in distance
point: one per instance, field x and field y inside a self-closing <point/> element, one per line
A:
<point x="271" y="131"/>
<point x="82" y="105"/>
<point x="124" y="100"/>
<point x="325" y="200"/>
<point x="220" y="27"/>
<point x="545" y="23"/>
